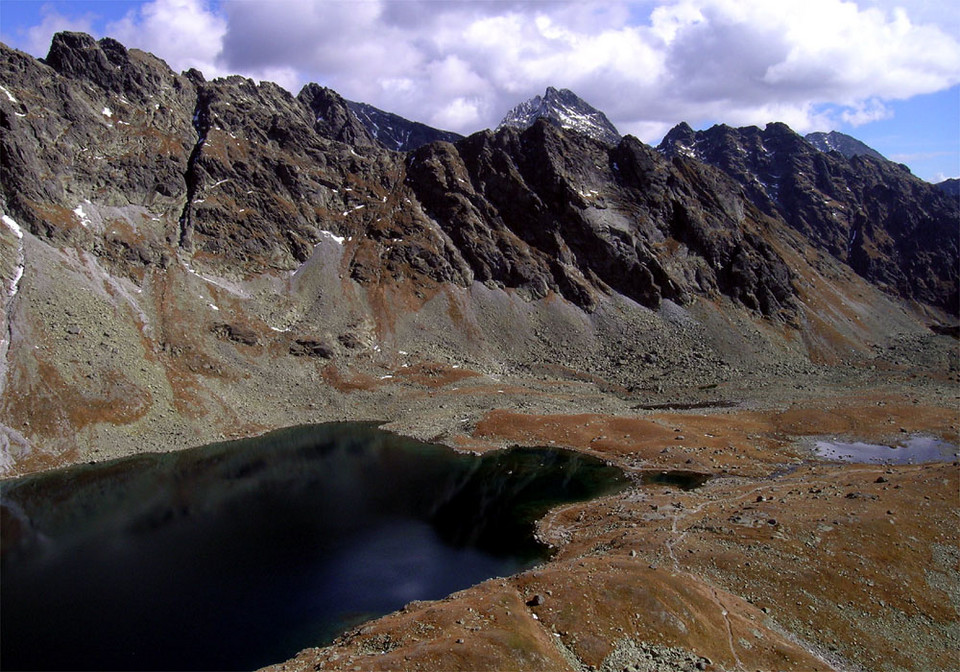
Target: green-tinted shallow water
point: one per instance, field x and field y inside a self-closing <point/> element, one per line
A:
<point x="237" y="555"/>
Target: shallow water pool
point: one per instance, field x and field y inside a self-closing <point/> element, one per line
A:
<point x="914" y="451"/>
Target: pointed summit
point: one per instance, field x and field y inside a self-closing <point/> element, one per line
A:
<point x="565" y="109"/>
<point x="843" y="143"/>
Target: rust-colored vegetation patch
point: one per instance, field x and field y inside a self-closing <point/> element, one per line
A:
<point x="869" y="417"/>
<point x="57" y="220"/>
<point x="434" y="374"/>
<point x="149" y="140"/>
<point x="745" y="441"/>
<point x="833" y="325"/>
<point x="126" y="249"/>
<point x="584" y="430"/>
<point x="349" y="382"/>
<point x="487" y="627"/>
<point x="55" y="407"/>
<point x="595" y="601"/>
<point x="185" y="359"/>
<point x="393" y="289"/>
<point x="63" y="455"/>
<point x="844" y="556"/>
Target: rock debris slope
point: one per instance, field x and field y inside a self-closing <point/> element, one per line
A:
<point x="185" y="260"/>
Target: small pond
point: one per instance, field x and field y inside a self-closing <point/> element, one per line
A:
<point x="915" y="450"/>
<point x="238" y="555"/>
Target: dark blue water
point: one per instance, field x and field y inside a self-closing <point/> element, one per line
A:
<point x="238" y="555"/>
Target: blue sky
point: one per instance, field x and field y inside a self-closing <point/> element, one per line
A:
<point x="884" y="71"/>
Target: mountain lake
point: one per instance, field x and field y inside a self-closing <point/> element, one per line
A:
<point x="238" y="555"/>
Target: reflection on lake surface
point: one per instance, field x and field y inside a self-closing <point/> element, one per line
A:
<point x="916" y="450"/>
<point x="234" y="556"/>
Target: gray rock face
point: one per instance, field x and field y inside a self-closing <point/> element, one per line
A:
<point x="96" y="123"/>
<point x="546" y="210"/>
<point x="565" y="109"/>
<point x="333" y="118"/>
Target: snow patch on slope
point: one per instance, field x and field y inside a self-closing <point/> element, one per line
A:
<point x="18" y="269"/>
<point x="222" y="283"/>
<point x="5" y="328"/>
<point x="9" y="95"/>
<point x="566" y="110"/>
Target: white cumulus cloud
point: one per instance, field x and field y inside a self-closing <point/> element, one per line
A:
<point x="185" y="33"/>
<point x="37" y="38"/>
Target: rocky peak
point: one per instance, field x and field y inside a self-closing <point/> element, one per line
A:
<point x="679" y="141"/>
<point x="332" y="116"/>
<point x="108" y="64"/>
<point x="78" y="55"/>
<point x="394" y="132"/>
<point x="840" y="142"/>
<point x="565" y="109"/>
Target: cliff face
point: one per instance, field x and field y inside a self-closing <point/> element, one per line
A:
<point x="543" y="210"/>
<point x="167" y="237"/>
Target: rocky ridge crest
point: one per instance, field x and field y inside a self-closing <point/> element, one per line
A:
<point x="396" y="133"/>
<point x="847" y="145"/>
<point x="892" y="228"/>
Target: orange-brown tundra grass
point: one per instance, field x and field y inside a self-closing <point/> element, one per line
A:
<point x="778" y="563"/>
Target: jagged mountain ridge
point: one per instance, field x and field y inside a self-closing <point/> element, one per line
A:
<point x="300" y="154"/>
<point x="855" y="209"/>
<point x="564" y="109"/>
<point x="298" y="172"/>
